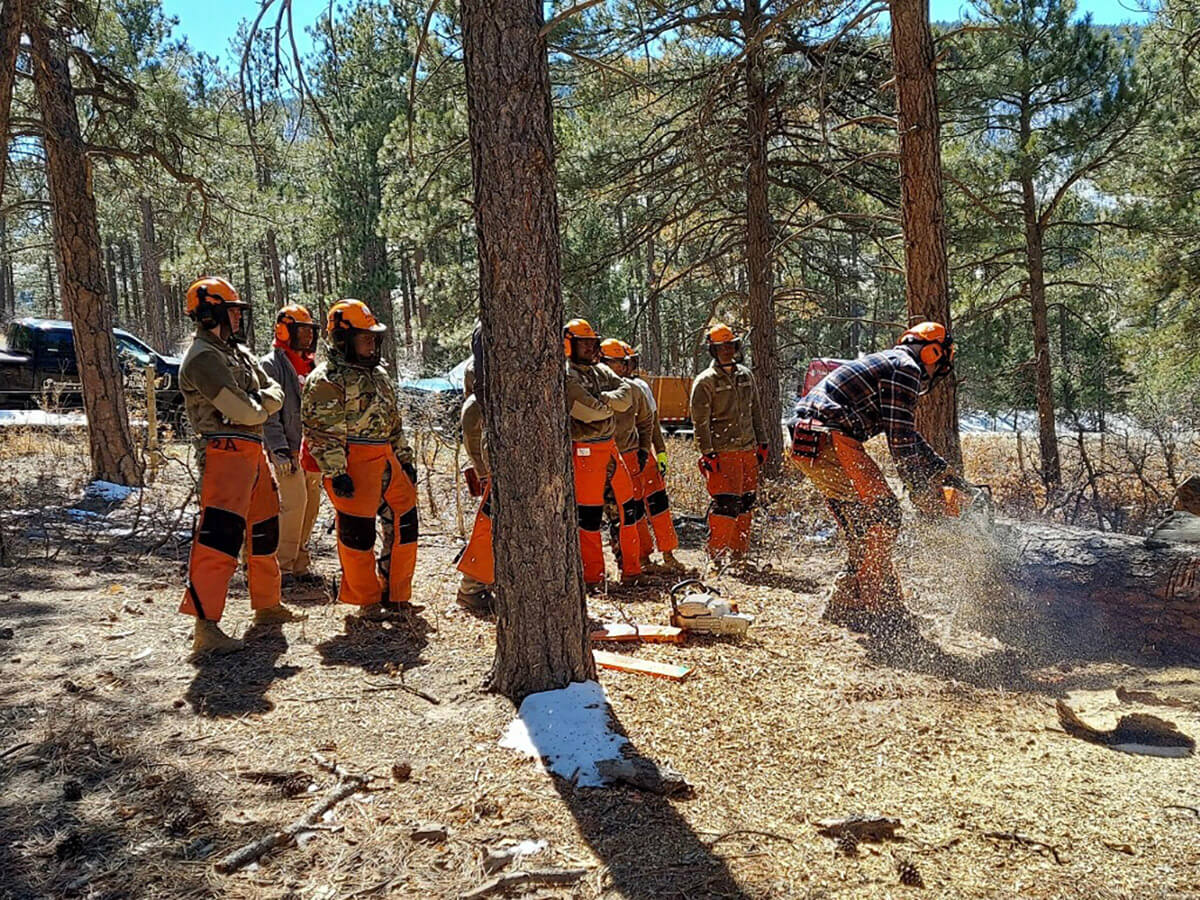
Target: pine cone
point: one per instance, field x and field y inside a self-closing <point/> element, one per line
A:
<point x="908" y="873"/>
<point x="847" y="843"/>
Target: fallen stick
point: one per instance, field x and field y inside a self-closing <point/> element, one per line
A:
<point x="532" y="876"/>
<point x="14" y="748"/>
<point x="401" y="686"/>
<point x="253" y="852"/>
<point x="1023" y="841"/>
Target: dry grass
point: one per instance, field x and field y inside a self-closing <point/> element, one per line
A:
<point x="798" y="722"/>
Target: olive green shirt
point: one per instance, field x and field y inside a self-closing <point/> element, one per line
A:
<point x="726" y="411"/>
<point x="225" y="391"/>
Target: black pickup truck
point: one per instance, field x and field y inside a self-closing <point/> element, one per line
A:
<point x="37" y="366"/>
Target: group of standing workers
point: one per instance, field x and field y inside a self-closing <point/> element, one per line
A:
<point x="269" y="434"/>
<point x="272" y="433"/>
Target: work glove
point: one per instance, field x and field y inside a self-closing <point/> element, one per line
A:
<point x="762" y="453"/>
<point x="662" y="463"/>
<point x="643" y="458"/>
<point x="410" y="470"/>
<point x="343" y="485"/>
<point x="708" y="464"/>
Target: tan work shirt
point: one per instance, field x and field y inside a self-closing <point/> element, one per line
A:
<point x="474" y="438"/>
<point x="726" y="411"/>
<point x="225" y="391"/>
<point x="594" y="395"/>
<point x="633" y="429"/>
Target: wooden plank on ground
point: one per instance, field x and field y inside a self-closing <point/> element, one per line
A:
<point x="622" y="663"/>
<point x="650" y="634"/>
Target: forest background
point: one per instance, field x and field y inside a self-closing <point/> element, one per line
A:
<point x="314" y="159"/>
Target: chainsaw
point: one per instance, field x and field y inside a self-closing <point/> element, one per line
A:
<point x="704" y="612"/>
<point x="970" y="503"/>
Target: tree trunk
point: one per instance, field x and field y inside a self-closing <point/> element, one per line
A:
<point x="1047" y="435"/>
<point x="152" y="288"/>
<point x="759" y="279"/>
<point x="5" y="297"/>
<point x="81" y="271"/>
<point x="52" y="306"/>
<point x="110" y="274"/>
<point x="278" y="291"/>
<point x="541" y="630"/>
<point x="11" y="21"/>
<point x="131" y="280"/>
<point x="1111" y="589"/>
<point x="654" y="354"/>
<point x="922" y="206"/>
<point x="406" y="293"/>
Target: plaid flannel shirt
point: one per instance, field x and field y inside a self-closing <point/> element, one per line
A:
<point x="877" y="394"/>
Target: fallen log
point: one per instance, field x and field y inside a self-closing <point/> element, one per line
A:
<point x="1110" y="589"/>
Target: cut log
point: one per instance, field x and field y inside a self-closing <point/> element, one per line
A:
<point x="1110" y="589"/>
<point x="650" y="634"/>
<point x="621" y="663"/>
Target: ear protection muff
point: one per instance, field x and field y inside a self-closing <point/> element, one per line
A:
<point x="282" y="332"/>
<point x="206" y="313"/>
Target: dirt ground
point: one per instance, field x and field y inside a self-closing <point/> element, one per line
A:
<point x="127" y="770"/>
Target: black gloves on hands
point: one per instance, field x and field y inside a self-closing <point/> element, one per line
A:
<point x="343" y="485"/>
<point x="643" y="457"/>
<point x="410" y="470"/>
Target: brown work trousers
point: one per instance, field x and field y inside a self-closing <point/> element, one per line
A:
<point x="867" y="512"/>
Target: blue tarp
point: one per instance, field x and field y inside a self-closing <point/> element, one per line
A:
<point x="451" y="382"/>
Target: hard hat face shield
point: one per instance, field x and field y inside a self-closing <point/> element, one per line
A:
<point x="302" y="336"/>
<point x="726" y="353"/>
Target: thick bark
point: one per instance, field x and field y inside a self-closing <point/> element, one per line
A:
<point x="11" y="19"/>
<point x="758" y="236"/>
<point x="541" y="630"/>
<point x="922" y="205"/>
<point x="1110" y="588"/>
<point x="51" y="306"/>
<point x="152" y="287"/>
<point x="81" y="270"/>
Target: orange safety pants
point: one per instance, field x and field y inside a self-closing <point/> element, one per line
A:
<point x="732" y="484"/>
<point x="645" y="541"/>
<point x="478" y="561"/>
<point x="597" y="464"/>
<point x="239" y="504"/>
<point x="658" y="512"/>
<point x="867" y="512"/>
<point x="379" y="483"/>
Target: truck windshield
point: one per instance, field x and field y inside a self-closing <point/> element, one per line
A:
<point x="127" y="347"/>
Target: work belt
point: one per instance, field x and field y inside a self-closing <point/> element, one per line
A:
<point x="806" y="437"/>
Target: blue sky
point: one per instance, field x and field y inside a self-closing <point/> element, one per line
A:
<point x="209" y="24"/>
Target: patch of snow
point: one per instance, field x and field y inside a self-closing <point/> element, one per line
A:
<point x="526" y="848"/>
<point x="568" y="731"/>
<point x="107" y="491"/>
<point x="41" y="418"/>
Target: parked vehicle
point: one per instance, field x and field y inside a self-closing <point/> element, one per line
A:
<point x="38" y="366"/>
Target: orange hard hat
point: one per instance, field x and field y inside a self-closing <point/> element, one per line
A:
<point x="936" y="345"/>
<point x="292" y="314"/>
<point x="615" y="349"/>
<point x="352" y="315"/>
<point x="720" y="333"/>
<point x="211" y="292"/>
<point x="577" y="329"/>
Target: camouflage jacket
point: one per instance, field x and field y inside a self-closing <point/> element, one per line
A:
<point x="344" y="404"/>
<point x="225" y="390"/>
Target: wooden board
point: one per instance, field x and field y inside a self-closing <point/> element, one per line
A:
<point x="621" y="663"/>
<point x="650" y="634"/>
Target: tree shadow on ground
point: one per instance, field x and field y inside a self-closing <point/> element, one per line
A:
<point x="378" y="648"/>
<point x="234" y="685"/>
<point x="649" y="850"/>
<point x="84" y="811"/>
